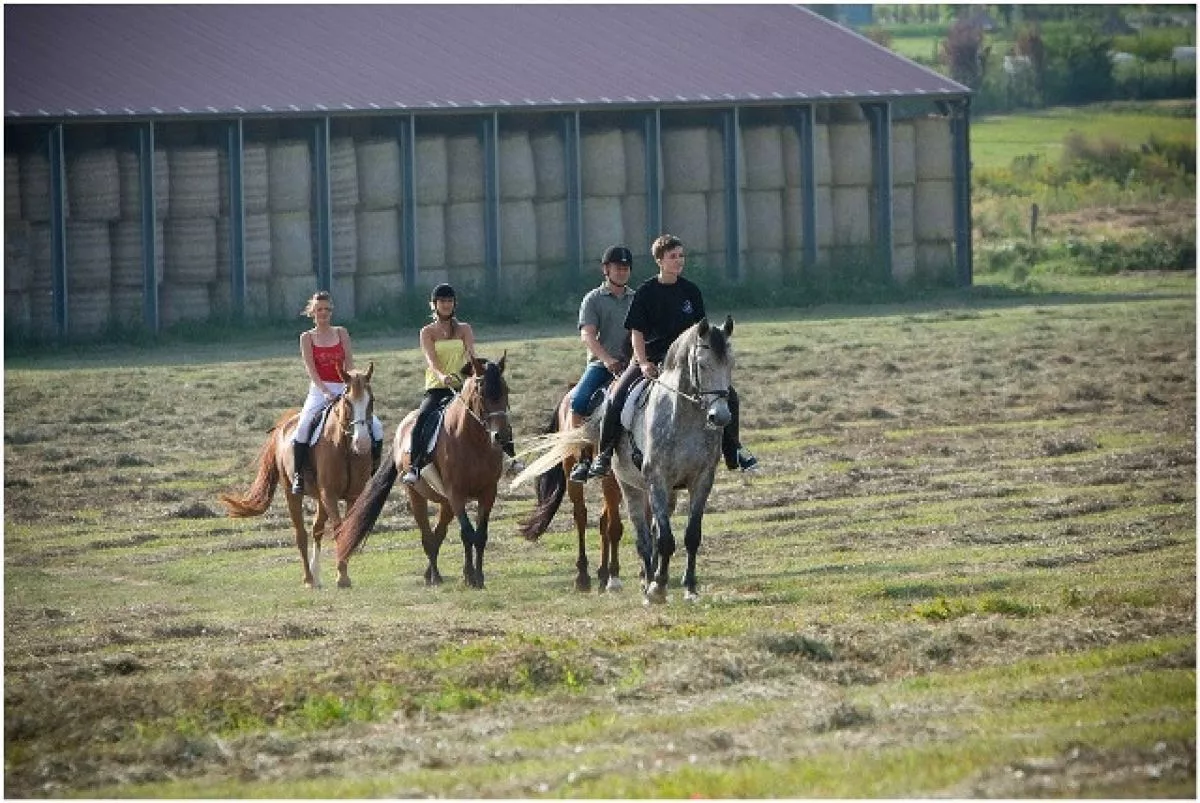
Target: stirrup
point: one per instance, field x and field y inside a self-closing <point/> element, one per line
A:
<point x="411" y="476"/>
<point x="580" y="473"/>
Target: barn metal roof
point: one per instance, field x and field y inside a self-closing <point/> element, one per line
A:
<point x="87" y="61"/>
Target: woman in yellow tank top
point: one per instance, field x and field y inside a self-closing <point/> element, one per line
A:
<point x="448" y="344"/>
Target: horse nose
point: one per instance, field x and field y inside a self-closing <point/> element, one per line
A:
<point x="719" y="415"/>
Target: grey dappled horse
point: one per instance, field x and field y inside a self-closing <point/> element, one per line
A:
<point x="678" y="431"/>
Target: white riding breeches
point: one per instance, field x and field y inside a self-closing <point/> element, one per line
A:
<point x="312" y="408"/>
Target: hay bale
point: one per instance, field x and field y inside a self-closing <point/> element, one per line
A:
<point x="12" y="187"/>
<point x="291" y="245"/>
<point x="602" y="225"/>
<point x="793" y="175"/>
<point x="763" y="267"/>
<point x="634" y="142"/>
<point x="89" y="311"/>
<point x="716" y="228"/>
<point x="289" y="176"/>
<point x="287" y="295"/>
<point x="127" y="268"/>
<point x="763" y="146"/>
<point x="18" y="256"/>
<point x="254" y="305"/>
<point x="716" y="161"/>
<point x="904" y="154"/>
<point x="517" y="278"/>
<point x="634" y="221"/>
<point x="127" y="306"/>
<point x="464" y="156"/>
<point x="343" y="174"/>
<point x="195" y="182"/>
<point x="89" y="255"/>
<point x="379" y="173"/>
<point x="378" y="241"/>
<point x="518" y="180"/>
<point x="904" y="263"/>
<point x="602" y="163"/>
<point x="686" y="160"/>
<point x="95" y="185"/>
<point x="933" y="146"/>
<point x="934" y="210"/>
<point x="256" y="245"/>
<point x="763" y="213"/>
<point x="255" y="180"/>
<point x="129" y="169"/>
<point x="903" y="219"/>
<point x="551" y="219"/>
<point x="850" y="154"/>
<point x="549" y="165"/>
<point x="35" y="186"/>
<point x="433" y="184"/>
<point x="824" y="155"/>
<point x="345" y="296"/>
<point x="685" y="214"/>
<point x="431" y="236"/>
<point x="344" y="233"/>
<point x="793" y="219"/>
<point x="18" y="314"/>
<point x="518" y="233"/>
<point x="851" y="216"/>
<point x="935" y="261"/>
<point x="378" y="294"/>
<point x="183" y="301"/>
<point x="191" y="250"/>
<point x="465" y="240"/>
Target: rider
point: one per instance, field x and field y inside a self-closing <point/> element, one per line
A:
<point x="324" y="348"/>
<point x="663" y="307"/>
<point x="448" y="344"/>
<point x="602" y="329"/>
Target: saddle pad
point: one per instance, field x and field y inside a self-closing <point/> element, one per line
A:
<point x="632" y="402"/>
<point x="435" y="424"/>
<point x="319" y="423"/>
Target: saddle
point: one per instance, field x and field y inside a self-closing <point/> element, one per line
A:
<point x="318" y="424"/>
<point x="428" y="434"/>
<point x="635" y="401"/>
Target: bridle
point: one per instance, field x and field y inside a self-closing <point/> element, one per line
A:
<point x="348" y="427"/>
<point x="694" y="376"/>
<point x="483" y="414"/>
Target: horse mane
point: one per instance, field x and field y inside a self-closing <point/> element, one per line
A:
<point x="678" y="353"/>
<point x="493" y="383"/>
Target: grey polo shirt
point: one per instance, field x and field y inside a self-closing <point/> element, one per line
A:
<point x="606" y="312"/>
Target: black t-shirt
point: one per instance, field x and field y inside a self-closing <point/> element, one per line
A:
<point x="662" y="312"/>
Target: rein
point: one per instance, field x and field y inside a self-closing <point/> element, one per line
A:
<point x="472" y="413"/>
<point x="698" y="399"/>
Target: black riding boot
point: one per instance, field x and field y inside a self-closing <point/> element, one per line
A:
<point x="731" y="441"/>
<point x="610" y="430"/>
<point x="299" y="463"/>
<point x="376" y="454"/>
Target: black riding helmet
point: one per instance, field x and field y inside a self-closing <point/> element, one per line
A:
<point x="443" y="291"/>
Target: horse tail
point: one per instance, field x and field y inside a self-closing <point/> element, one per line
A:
<point x="262" y="490"/>
<point x="551" y="485"/>
<point x="351" y="534"/>
<point x="557" y="445"/>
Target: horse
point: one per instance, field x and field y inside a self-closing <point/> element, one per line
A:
<point x="550" y="488"/>
<point x="466" y="465"/>
<point x="339" y="466"/>
<point x="678" y="433"/>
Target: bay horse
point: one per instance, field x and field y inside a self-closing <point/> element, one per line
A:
<point x="466" y="464"/>
<point x="678" y="431"/>
<point x="552" y="484"/>
<point x="339" y="466"/>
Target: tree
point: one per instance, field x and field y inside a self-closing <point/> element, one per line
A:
<point x="1079" y="69"/>
<point x="964" y="54"/>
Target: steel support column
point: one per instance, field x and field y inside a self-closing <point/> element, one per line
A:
<point x="731" y="135"/>
<point x="322" y="203"/>
<point x="58" y="228"/>
<point x="574" y="198"/>
<point x="234" y="151"/>
<point x="960" y="138"/>
<point x="804" y="118"/>
<point x="490" y="139"/>
<point x="652" y="126"/>
<point x="879" y="118"/>
<point x="149" y="226"/>
<point x="407" y="134"/>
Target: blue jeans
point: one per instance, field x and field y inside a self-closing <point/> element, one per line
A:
<point x="595" y="376"/>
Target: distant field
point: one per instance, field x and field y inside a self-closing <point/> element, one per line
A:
<point x="997" y="140"/>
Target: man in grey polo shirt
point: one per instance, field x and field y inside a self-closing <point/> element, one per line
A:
<point x="602" y="329"/>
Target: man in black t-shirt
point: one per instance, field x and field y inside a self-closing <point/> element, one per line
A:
<point x="663" y="307"/>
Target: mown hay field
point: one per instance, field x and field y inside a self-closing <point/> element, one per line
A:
<point x="967" y="569"/>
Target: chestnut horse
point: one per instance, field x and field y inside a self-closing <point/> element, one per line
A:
<point x="466" y="465"/>
<point x="550" y="488"/>
<point x="339" y="466"/>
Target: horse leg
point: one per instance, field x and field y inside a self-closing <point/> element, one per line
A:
<point x="420" y="511"/>
<point x="635" y="506"/>
<point x="318" y="533"/>
<point x="466" y="531"/>
<point x="611" y="530"/>
<point x="697" y="500"/>
<point x="583" y="580"/>
<point x="295" y="503"/>
<point x="481" y="534"/>
<point x="334" y="518"/>
<point x="343" y="566"/>
<point x="664" y="546"/>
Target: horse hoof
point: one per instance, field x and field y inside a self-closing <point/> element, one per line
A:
<point x="656" y="594"/>
<point x="584" y="585"/>
<point x="690" y="595"/>
<point x="615" y="584"/>
<point x="343" y="582"/>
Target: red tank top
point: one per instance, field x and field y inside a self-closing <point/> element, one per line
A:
<point x="327" y="359"/>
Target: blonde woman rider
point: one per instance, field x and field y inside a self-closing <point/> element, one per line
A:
<point x="323" y="348"/>
<point x="448" y="344"/>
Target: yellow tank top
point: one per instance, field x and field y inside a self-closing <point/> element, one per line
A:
<point x="451" y="357"/>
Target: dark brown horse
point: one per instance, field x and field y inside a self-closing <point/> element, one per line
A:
<point x="466" y="465"/>
<point x="339" y="466"/>
<point x="550" y="488"/>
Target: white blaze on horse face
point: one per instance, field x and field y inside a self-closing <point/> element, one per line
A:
<point x="360" y="438"/>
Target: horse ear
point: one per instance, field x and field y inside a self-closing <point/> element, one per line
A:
<point x="728" y="326"/>
<point x="370" y="369"/>
<point x="702" y="329"/>
<point x="503" y="357"/>
<point x="468" y="368"/>
<point x="342" y="374"/>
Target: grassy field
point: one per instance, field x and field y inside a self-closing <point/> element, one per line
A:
<point x="967" y="570"/>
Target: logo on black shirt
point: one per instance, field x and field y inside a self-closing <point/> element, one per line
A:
<point x="687" y="307"/>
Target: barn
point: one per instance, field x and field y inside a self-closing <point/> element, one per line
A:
<point x="173" y="163"/>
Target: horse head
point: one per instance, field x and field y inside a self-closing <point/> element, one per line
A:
<point x="486" y="395"/>
<point x="706" y="361"/>
<point x="357" y="405"/>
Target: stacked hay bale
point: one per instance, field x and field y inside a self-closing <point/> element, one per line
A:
<point x="343" y="202"/>
<point x="904" y="180"/>
<point x="518" y="216"/>
<point x="432" y="194"/>
<point x="28" y="278"/>
<point x="128" y="274"/>
<point x="93" y="202"/>
<point x="633" y="206"/>
<point x="793" y="195"/>
<point x="190" y="232"/>
<point x="934" y="201"/>
<point x="379" y="276"/>
<point x="289" y="201"/>
<point x="763" y="202"/>
<point x="550" y="201"/>
<point x="603" y="187"/>
<point x="688" y="187"/>
<point x="256" y="234"/>
<point x="18" y="251"/>
<point x="850" y="158"/>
